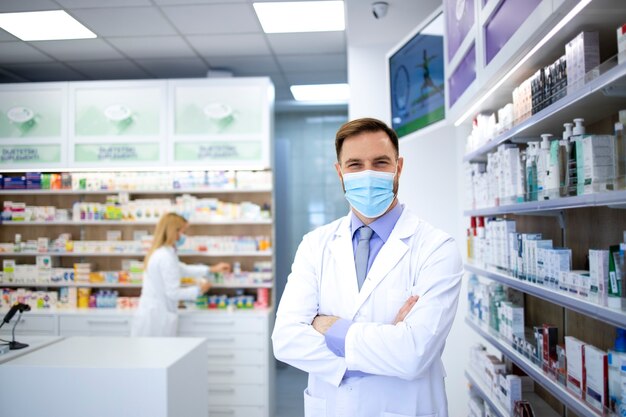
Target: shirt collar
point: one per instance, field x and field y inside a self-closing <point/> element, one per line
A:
<point x="382" y="226"/>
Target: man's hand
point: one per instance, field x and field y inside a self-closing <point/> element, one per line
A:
<point x="323" y="323"/>
<point x="405" y="309"/>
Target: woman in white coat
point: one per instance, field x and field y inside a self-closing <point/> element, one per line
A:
<point x="161" y="292"/>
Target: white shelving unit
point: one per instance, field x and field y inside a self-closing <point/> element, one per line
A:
<point x="170" y="191"/>
<point x="608" y="315"/>
<point x="539" y="406"/>
<point x="561" y="393"/>
<point x="226" y="222"/>
<point x="136" y="254"/>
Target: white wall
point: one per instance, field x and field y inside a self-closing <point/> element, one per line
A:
<point x="431" y="183"/>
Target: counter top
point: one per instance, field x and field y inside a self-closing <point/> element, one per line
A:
<point x="34" y="343"/>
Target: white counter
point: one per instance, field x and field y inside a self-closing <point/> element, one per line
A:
<point x="33" y="342"/>
<point x="108" y="376"/>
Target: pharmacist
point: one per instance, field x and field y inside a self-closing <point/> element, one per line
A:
<point x="161" y="291"/>
<point x="350" y="314"/>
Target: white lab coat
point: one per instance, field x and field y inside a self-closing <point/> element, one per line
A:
<point x="404" y="360"/>
<point x="161" y="291"/>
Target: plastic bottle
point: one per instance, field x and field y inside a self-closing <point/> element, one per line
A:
<point x="472" y="288"/>
<point x="543" y="158"/>
<point x="564" y="159"/>
<point x="575" y="160"/>
<point x="496" y="295"/>
<point x="18" y="243"/>
<point x="620" y="156"/>
<point x="531" y="171"/>
<point x="616" y="359"/>
<point x="553" y="181"/>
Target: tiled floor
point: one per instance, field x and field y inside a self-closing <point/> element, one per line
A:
<point x="290" y="384"/>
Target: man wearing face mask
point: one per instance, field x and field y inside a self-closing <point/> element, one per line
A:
<point x="371" y="296"/>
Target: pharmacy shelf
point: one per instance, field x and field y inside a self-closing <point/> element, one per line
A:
<point x="242" y="285"/>
<point x="540" y="407"/>
<point x="594" y="100"/>
<point x="557" y="390"/>
<point x="67" y="284"/>
<point x="137" y="254"/>
<point x="615" y="199"/>
<point x="605" y="314"/>
<point x="161" y="191"/>
<point x="130" y="222"/>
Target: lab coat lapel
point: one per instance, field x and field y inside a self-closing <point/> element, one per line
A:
<point x="390" y="254"/>
<point x="343" y="260"/>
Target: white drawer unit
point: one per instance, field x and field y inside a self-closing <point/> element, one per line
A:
<point x="36" y="325"/>
<point x="218" y="323"/>
<point x="237" y="357"/>
<point x="251" y="374"/>
<point x="250" y="394"/>
<point x="95" y="325"/>
<point x="237" y="412"/>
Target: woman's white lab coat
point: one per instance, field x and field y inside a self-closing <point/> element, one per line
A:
<point x="407" y="375"/>
<point x="161" y="291"/>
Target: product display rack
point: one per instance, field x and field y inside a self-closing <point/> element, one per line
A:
<point x="592" y="100"/>
<point x="113" y="285"/>
<point x="132" y="222"/>
<point x="581" y="223"/>
<point x="138" y="254"/>
<point x="539" y="406"/>
<point x="613" y="199"/>
<point x="605" y="314"/>
<point x="199" y="191"/>
<point x="563" y="395"/>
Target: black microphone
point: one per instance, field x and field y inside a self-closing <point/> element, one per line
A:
<point x="21" y="307"/>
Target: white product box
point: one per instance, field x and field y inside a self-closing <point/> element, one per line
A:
<point x="598" y="276"/>
<point x="575" y="365"/>
<point x="582" y="55"/>
<point x="511" y="391"/>
<point x="597" y="377"/>
<point x="595" y="162"/>
<point x="8" y="269"/>
<point x="621" y="44"/>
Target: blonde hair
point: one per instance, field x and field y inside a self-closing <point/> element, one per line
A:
<point x="165" y="233"/>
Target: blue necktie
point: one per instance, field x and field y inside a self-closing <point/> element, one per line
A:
<point x="362" y="254"/>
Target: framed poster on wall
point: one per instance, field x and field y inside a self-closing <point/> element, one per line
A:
<point x="416" y="78"/>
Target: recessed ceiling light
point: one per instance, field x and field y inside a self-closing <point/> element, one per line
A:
<point x="44" y="26"/>
<point x="321" y="92"/>
<point x="301" y="16"/>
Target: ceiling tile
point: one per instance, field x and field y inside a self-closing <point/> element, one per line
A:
<point x="153" y="47"/>
<point x="85" y="4"/>
<point x="109" y="70"/>
<point x="308" y="63"/>
<point x="174" y="68"/>
<point x="124" y="21"/>
<point x="20" y="52"/>
<point x="9" y="6"/>
<point x="308" y="43"/>
<point x="53" y="71"/>
<point x="218" y="18"/>
<point x="78" y="49"/>
<point x="245" y="65"/>
<point x="318" y="77"/>
<point x="229" y="45"/>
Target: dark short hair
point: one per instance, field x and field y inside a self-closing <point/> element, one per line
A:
<point x="358" y="126"/>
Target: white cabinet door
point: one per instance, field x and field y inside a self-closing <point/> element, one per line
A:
<point x="36" y="325"/>
<point x="96" y="325"/>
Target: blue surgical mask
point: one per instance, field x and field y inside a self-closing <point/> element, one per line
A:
<point x="181" y="240"/>
<point x="369" y="192"/>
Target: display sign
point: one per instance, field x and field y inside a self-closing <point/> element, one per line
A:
<point x="460" y="17"/>
<point x="31" y="114"/>
<point x="218" y="151"/>
<point x="99" y="153"/>
<point x="31" y="155"/>
<point x="125" y="111"/>
<point x="416" y="75"/>
<point x="219" y="110"/>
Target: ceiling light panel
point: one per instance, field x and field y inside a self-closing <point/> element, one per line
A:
<point x="44" y="26"/>
<point x="309" y="16"/>
<point x="321" y="92"/>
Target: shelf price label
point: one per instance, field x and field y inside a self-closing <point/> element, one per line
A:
<point x="29" y="154"/>
<point x="218" y="151"/>
<point x="117" y="152"/>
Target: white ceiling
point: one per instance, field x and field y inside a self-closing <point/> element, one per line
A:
<point x="186" y="38"/>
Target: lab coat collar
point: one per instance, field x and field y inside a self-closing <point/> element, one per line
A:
<point x="388" y="257"/>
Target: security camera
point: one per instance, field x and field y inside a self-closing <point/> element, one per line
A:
<point x="379" y="9"/>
